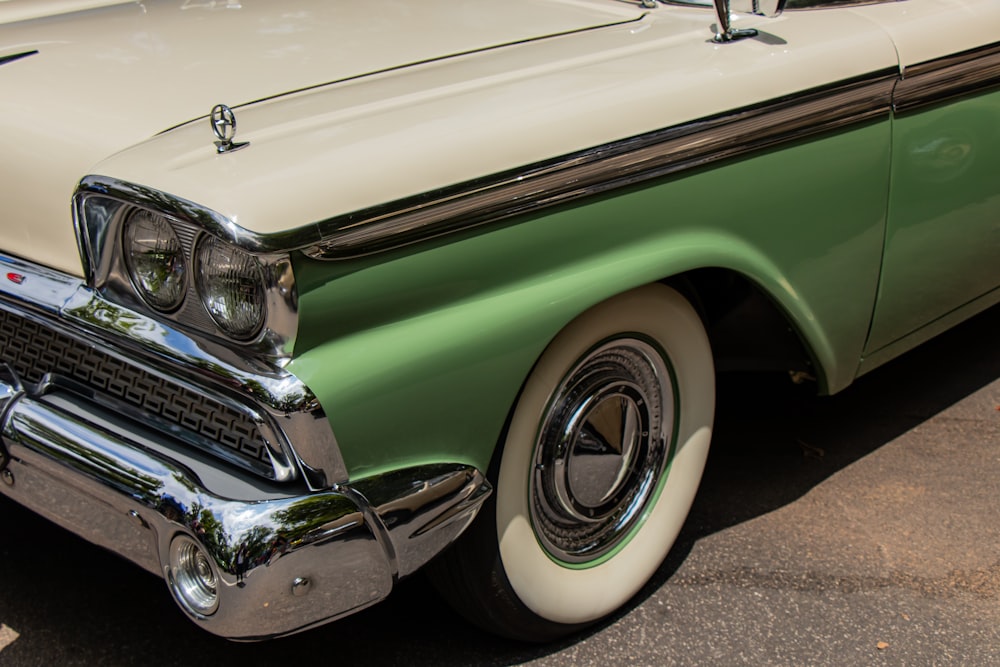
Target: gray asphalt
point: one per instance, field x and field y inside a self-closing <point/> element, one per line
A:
<point x="855" y="529"/>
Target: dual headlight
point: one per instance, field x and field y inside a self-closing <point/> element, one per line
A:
<point x="228" y="280"/>
<point x="148" y="250"/>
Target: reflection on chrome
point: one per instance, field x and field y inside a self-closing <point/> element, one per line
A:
<point x="602" y="449"/>
<point x="246" y="560"/>
<point x="265" y="394"/>
<point x="103" y="208"/>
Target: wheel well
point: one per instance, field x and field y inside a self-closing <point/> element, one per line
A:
<point x="747" y="329"/>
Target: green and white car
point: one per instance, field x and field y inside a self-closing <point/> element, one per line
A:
<point x="298" y="297"/>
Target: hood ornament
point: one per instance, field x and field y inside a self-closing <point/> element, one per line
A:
<point x="224" y="127"/>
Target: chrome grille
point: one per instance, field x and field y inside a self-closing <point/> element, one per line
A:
<point x="34" y="350"/>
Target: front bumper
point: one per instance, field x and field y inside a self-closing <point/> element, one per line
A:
<point x="117" y="427"/>
<point x="283" y="562"/>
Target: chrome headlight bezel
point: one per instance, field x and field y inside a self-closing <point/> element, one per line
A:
<point x="101" y="216"/>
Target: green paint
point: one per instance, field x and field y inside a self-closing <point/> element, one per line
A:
<point x="418" y="356"/>
<point x="943" y="238"/>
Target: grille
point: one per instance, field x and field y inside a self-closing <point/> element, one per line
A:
<point x="34" y="350"/>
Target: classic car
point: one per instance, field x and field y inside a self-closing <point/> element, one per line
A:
<point x="298" y="298"/>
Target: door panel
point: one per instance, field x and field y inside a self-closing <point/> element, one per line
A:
<point x="942" y="245"/>
<point x="943" y="237"/>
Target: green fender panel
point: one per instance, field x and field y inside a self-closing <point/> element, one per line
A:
<point x="418" y="355"/>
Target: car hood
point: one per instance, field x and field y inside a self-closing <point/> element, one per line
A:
<point x="102" y="76"/>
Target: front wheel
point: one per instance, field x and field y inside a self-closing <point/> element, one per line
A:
<point x="600" y="464"/>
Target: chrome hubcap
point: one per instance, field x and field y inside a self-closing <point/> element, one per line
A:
<point x="601" y="450"/>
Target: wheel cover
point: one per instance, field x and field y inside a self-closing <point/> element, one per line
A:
<point x="601" y="450"/>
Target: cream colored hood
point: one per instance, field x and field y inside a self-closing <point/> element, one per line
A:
<point x="108" y="75"/>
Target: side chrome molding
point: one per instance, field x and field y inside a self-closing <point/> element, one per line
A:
<point x="607" y="167"/>
<point x="936" y="81"/>
<point x="664" y="152"/>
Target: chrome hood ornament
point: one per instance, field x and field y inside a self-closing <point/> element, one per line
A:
<point x="224" y="127"/>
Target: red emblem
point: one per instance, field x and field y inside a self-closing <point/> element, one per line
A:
<point x="16" y="278"/>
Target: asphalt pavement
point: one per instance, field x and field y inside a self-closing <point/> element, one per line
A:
<point x="857" y="529"/>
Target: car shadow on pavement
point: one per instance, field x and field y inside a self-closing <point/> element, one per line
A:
<point x="775" y="441"/>
<point x="72" y="603"/>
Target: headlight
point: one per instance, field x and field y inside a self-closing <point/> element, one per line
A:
<point x="231" y="286"/>
<point x="155" y="260"/>
<point x="167" y="257"/>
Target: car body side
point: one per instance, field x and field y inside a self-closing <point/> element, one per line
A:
<point x="824" y="195"/>
<point x="805" y="224"/>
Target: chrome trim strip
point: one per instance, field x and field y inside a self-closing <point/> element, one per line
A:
<point x="599" y="169"/>
<point x="270" y="395"/>
<point x="182" y="209"/>
<point x="533" y="187"/>
<point x="10" y="391"/>
<point x="939" y="80"/>
<point x="283" y="562"/>
<point x="604" y="168"/>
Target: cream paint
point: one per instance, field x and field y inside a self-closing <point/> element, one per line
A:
<point x="371" y="140"/>
<point x="108" y="78"/>
<point x="924" y="30"/>
<point x="12" y="11"/>
<point x="366" y="142"/>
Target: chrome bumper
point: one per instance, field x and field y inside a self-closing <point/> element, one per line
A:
<point x="283" y="562"/>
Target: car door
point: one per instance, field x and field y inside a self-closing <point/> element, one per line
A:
<point x="942" y="246"/>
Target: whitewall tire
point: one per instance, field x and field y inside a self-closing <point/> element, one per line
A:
<point x="597" y="472"/>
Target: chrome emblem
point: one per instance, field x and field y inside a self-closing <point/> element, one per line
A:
<point x="224" y="127"/>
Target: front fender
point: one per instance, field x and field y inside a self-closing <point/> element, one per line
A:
<point x="424" y="351"/>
